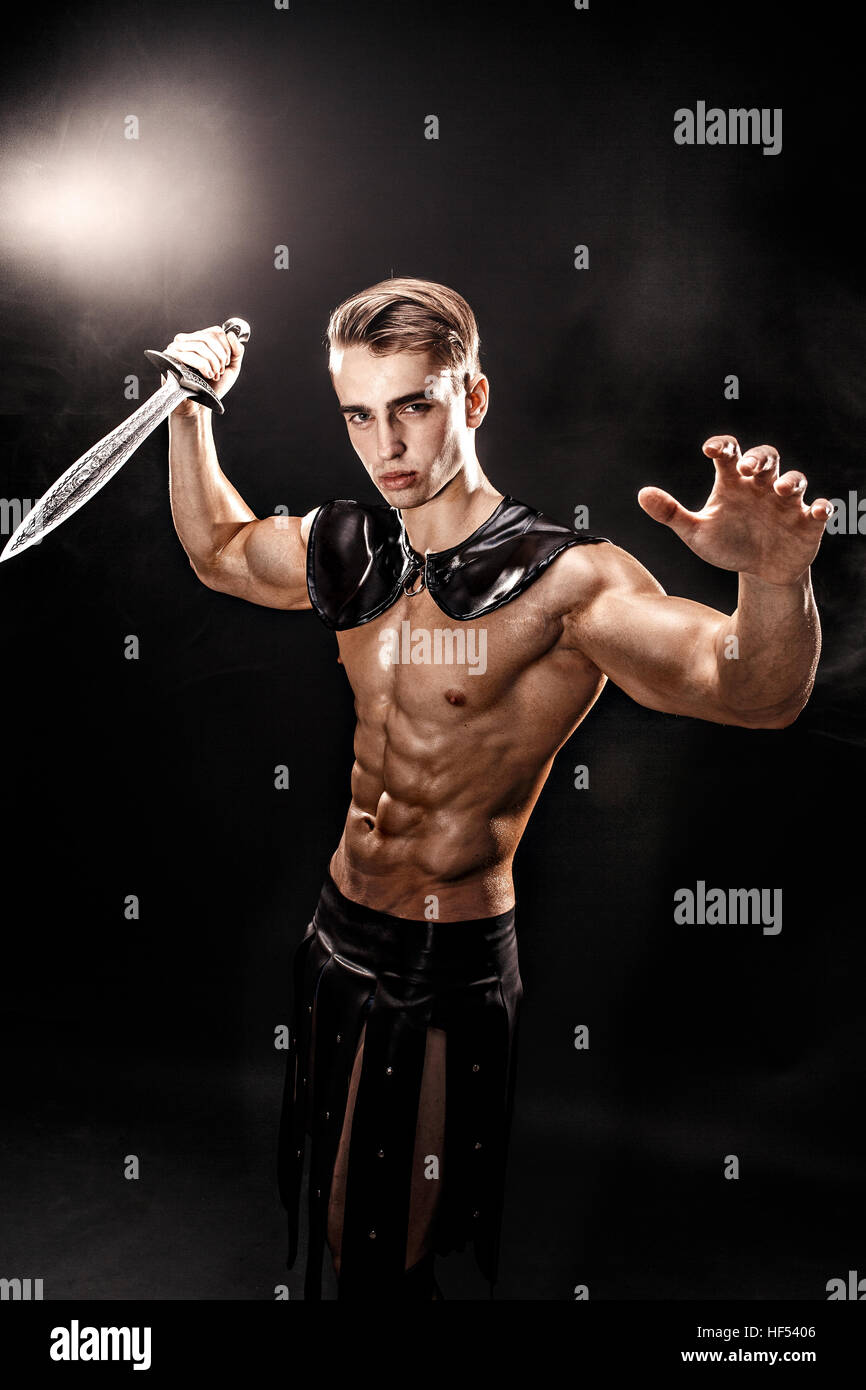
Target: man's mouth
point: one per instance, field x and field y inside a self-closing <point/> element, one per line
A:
<point x="398" y="479"/>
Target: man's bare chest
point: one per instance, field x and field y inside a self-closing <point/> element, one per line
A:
<point x="417" y="657"/>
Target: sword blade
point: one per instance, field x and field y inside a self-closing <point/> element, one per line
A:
<point x="94" y="469"/>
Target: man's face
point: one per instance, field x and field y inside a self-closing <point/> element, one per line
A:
<point x="406" y="423"/>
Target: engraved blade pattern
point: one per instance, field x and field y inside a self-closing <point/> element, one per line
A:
<point x="94" y="469"/>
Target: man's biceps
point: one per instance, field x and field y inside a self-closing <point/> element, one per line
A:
<point x="273" y="547"/>
<point x="665" y="649"/>
<point x="621" y="626"/>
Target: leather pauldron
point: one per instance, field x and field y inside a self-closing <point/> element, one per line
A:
<point x="359" y="561"/>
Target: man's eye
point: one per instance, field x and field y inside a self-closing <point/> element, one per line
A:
<point x="361" y="417"/>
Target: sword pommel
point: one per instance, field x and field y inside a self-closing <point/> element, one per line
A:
<point x="239" y="327"/>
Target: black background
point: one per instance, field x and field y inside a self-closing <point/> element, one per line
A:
<point x="155" y="777"/>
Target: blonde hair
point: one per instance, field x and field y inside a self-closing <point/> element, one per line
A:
<point x="409" y="315"/>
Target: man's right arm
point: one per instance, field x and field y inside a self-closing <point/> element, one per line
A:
<point x="229" y="548"/>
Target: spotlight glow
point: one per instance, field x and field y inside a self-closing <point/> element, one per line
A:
<point x="79" y="211"/>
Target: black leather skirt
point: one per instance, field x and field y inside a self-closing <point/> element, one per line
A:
<point x="399" y="976"/>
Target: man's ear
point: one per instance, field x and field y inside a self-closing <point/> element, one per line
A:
<point x="476" y="401"/>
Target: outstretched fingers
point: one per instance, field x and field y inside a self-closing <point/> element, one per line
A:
<point x="724" y="450"/>
<point x="791" y="484"/>
<point x="820" y="510"/>
<point x="760" y="463"/>
<point x="661" y="506"/>
<point x="791" y="488"/>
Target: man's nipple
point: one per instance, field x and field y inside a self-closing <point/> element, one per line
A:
<point x="455" y="697"/>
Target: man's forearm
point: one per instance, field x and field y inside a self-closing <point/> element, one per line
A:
<point x="207" y="511"/>
<point x="770" y="670"/>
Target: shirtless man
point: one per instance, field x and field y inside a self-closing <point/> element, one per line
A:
<point x="449" y="762"/>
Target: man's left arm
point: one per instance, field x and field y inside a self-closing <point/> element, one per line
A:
<point x="769" y="669"/>
<point x="755" y="667"/>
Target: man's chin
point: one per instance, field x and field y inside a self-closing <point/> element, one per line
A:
<point x="412" y="493"/>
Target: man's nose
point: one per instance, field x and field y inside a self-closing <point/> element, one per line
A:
<point x="388" y="441"/>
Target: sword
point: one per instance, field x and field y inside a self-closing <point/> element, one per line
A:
<point x="83" y="479"/>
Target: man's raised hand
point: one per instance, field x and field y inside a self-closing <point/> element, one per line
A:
<point x="754" y="521"/>
<point x="213" y="353"/>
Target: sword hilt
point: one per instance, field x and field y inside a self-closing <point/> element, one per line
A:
<point x="200" y="390"/>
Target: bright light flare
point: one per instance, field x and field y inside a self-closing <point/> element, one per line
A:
<point x="81" y="211"/>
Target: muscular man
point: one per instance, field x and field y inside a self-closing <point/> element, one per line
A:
<point x="476" y="634"/>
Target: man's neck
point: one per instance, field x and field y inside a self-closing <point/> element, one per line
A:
<point x="458" y="509"/>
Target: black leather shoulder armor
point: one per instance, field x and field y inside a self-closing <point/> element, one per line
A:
<point x="359" y="561"/>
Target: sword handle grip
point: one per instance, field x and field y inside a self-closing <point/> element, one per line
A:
<point x="199" y="389"/>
